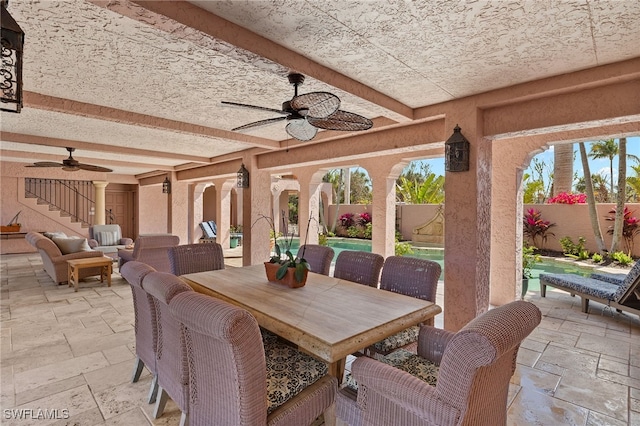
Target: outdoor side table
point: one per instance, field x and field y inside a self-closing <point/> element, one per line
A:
<point x="76" y="265"/>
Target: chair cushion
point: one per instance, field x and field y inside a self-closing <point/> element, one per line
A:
<point x="406" y="361"/>
<point x="398" y="340"/>
<point x="289" y="371"/>
<point x="107" y="238"/>
<point x="58" y="234"/>
<point x="71" y="245"/>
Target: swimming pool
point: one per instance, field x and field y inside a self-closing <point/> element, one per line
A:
<point x="436" y="254"/>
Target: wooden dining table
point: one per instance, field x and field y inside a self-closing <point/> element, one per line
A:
<point x="328" y="318"/>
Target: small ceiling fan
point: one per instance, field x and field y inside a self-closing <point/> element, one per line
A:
<point x="309" y="112"/>
<point x="70" y="164"/>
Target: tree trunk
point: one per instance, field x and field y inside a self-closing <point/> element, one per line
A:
<point x="622" y="179"/>
<point x="591" y="200"/>
<point x="562" y="168"/>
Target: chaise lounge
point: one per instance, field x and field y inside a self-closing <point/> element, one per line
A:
<point x="618" y="291"/>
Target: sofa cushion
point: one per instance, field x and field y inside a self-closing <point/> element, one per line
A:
<point x="107" y="238"/>
<point x="71" y="245"/>
<point x="57" y="234"/>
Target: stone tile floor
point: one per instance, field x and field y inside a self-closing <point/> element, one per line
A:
<point x="72" y="354"/>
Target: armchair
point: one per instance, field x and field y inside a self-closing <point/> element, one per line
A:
<point x="475" y="366"/>
<point x="152" y="250"/>
<point x="107" y="238"/>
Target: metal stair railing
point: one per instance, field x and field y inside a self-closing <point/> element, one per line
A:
<point x="72" y="198"/>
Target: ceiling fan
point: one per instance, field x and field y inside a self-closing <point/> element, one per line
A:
<point x="70" y="164"/>
<point x="309" y="112"/>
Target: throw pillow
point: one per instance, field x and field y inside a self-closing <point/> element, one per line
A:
<point x="71" y="245"/>
<point x="56" y="234"/>
<point x="107" y="238"/>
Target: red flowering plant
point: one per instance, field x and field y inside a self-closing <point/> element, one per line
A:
<point x="347" y="220"/>
<point x="630" y="228"/>
<point x="535" y="227"/>
<point x="568" y="198"/>
<point x="364" y="218"/>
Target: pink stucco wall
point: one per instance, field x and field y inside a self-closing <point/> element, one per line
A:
<point x="570" y="220"/>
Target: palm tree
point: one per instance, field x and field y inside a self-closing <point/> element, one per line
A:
<point x="591" y="201"/>
<point x="562" y="168"/>
<point x="605" y="149"/>
<point x="633" y="182"/>
<point x="622" y="177"/>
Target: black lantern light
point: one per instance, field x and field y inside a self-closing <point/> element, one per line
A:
<point x="166" y="186"/>
<point x="243" y="177"/>
<point x="456" y="154"/>
<point x="11" y="67"/>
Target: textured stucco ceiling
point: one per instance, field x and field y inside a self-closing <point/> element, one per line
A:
<point x="120" y="56"/>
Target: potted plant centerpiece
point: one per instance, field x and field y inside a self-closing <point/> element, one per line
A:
<point x="283" y="267"/>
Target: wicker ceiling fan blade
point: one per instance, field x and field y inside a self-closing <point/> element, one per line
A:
<point x="45" y="164"/>
<point x="260" y="123"/>
<point x="342" y="120"/>
<point x="300" y="129"/>
<point x="316" y="104"/>
<point x="279" y="111"/>
<point x="93" y="168"/>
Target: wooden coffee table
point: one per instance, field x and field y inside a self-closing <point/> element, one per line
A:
<point x="76" y="265"/>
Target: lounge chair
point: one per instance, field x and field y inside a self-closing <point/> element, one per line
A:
<point x="618" y="291"/>
<point x="209" y="231"/>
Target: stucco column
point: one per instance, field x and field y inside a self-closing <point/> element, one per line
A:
<point x="178" y="215"/>
<point x="257" y="203"/>
<point x="309" y="204"/>
<point x="346" y="177"/>
<point x="223" y="209"/>
<point x="99" y="216"/>
<point x="468" y="225"/>
<point x="197" y="207"/>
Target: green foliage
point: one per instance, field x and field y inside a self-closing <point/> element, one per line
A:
<point x="331" y="234"/>
<point x="533" y="226"/>
<point x="535" y="190"/>
<point x="529" y="258"/>
<point x="597" y="258"/>
<point x="428" y="191"/>
<point x="322" y="240"/>
<point x="353" y="231"/>
<point x="403" y="248"/>
<point x="622" y="258"/>
<point x="571" y="249"/>
<point x="368" y="230"/>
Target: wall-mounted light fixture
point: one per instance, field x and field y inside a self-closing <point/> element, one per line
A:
<point x="166" y="186"/>
<point x="243" y="177"/>
<point x="12" y="41"/>
<point x="456" y="154"/>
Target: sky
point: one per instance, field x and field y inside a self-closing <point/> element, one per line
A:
<point x="596" y="166"/>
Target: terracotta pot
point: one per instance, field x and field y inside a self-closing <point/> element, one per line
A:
<point x="289" y="279"/>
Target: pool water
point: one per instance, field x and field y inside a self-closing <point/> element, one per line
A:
<point x="437" y="254"/>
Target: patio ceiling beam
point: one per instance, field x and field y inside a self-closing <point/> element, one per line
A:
<point x="201" y="20"/>
<point x="99" y="112"/>
<point x="80" y="145"/>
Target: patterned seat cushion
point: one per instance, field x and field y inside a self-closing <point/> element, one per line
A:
<point x="406" y="361"/>
<point x="398" y="340"/>
<point x="289" y="371"/>
<point x="582" y="285"/>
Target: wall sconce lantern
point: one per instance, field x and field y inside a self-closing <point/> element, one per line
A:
<point x="243" y="177"/>
<point x="456" y="154"/>
<point x="12" y="40"/>
<point x="166" y="186"/>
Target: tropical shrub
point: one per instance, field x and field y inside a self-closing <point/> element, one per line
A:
<point x="568" y="198"/>
<point x="347" y="220"/>
<point x="597" y="258"/>
<point x="368" y="230"/>
<point x="630" y="228"/>
<point x="352" y="231"/>
<point x="571" y="249"/>
<point x="536" y="228"/>
<point x="403" y="249"/>
<point x="363" y="219"/>
<point x="529" y="258"/>
<point x="322" y="240"/>
<point x="622" y="258"/>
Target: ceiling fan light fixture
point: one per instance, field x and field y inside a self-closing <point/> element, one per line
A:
<point x="300" y="129"/>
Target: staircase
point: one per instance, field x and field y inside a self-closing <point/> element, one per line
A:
<point x="73" y="199"/>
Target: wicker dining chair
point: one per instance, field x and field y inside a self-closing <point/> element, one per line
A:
<point x="455" y="378"/>
<point x="173" y="374"/>
<point x="318" y="257"/>
<point x="412" y="277"/>
<point x="238" y="379"/>
<point x="359" y="266"/>
<point x="146" y="329"/>
<point x="192" y="258"/>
